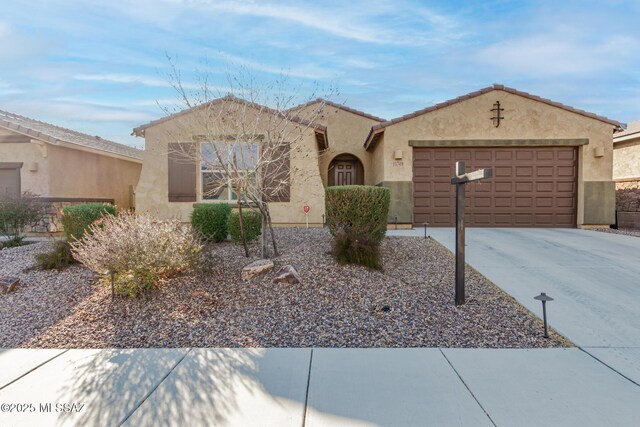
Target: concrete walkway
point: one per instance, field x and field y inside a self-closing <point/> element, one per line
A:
<point x="594" y="278"/>
<point x="312" y="387"/>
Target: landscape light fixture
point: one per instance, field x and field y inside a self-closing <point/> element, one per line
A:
<point x="544" y="298"/>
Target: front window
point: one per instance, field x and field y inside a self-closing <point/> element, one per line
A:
<point x="217" y="162"/>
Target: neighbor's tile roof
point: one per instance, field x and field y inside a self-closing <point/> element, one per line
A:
<point x="340" y="106"/>
<point x="377" y="128"/>
<point x="633" y="130"/>
<point x="55" y="134"/>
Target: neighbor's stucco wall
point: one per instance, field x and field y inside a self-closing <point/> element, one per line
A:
<point x="523" y="119"/>
<point x="347" y="132"/>
<point x="306" y="183"/>
<point x="81" y="174"/>
<point x="626" y="153"/>
<point x="28" y="153"/>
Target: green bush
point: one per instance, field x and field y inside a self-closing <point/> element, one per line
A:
<point x="16" y="213"/>
<point x="210" y="219"/>
<point x="58" y="258"/>
<point x="357" y="218"/>
<point x="76" y="219"/>
<point x="252" y="221"/>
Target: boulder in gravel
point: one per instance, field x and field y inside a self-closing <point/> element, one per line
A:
<point x="287" y="274"/>
<point x="257" y="268"/>
<point x="8" y="284"/>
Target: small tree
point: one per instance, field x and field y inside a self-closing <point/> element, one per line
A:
<point x="246" y="137"/>
<point x="16" y="213"/>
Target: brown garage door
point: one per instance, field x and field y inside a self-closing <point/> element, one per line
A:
<point x="531" y="187"/>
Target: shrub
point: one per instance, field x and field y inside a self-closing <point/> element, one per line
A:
<point x="211" y="220"/>
<point x="16" y="213"/>
<point x="76" y="219"/>
<point x="58" y="258"/>
<point x="139" y="250"/>
<point x="357" y="218"/>
<point x="252" y="221"/>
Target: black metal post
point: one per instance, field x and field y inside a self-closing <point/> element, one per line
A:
<point x="113" y="287"/>
<point x="460" y="193"/>
<point x="425" y="230"/>
<point x="322" y="220"/>
<point x="396" y="222"/>
<point x="544" y="318"/>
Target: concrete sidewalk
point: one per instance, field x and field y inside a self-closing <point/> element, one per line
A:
<point x="594" y="278"/>
<point x="313" y="387"/>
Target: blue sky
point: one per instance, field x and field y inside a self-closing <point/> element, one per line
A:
<point x="100" y="67"/>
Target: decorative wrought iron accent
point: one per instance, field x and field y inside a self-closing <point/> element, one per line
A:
<point x="497" y="114"/>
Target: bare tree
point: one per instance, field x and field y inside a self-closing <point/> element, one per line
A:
<point x="246" y="138"/>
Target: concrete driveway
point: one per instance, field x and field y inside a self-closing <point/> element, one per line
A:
<point x="594" y="278"/>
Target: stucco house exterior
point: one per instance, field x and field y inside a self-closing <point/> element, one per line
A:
<point x="64" y="166"/>
<point x="626" y="173"/>
<point x="171" y="183"/>
<point x="552" y="163"/>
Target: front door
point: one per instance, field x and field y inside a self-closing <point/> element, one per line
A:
<point x="345" y="173"/>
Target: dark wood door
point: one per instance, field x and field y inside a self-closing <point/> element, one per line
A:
<point x="345" y="173"/>
<point x="531" y="186"/>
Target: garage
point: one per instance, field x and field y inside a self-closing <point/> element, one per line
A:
<point x="531" y="187"/>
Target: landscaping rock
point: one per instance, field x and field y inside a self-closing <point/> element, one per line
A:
<point x="8" y="284"/>
<point x="287" y="274"/>
<point x="257" y="268"/>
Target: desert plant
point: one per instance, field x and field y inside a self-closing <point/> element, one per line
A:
<point x="252" y="221"/>
<point x="16" y="213"/>
<point x="210" y="219"/>
<point x="76" y="219"/>
<point x="139" y="250"/>
<point x="357" y="218"/>
<point x="57" y="258"/>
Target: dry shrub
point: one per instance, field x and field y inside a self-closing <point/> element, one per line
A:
<point x="139" y="250"/>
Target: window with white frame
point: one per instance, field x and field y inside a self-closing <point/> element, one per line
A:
<point x="215" y="157"/>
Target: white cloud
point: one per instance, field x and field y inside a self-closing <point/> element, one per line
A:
<point x="557" y="54"/>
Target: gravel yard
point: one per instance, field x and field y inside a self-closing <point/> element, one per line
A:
<point x="409" y="304"/>
<point x="625" y="231"/>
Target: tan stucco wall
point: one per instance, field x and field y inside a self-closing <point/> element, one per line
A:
<point x="523" y="119"/>
<point x="347" y="132"/>
<point x="626" y="153"/>
<point x="152" y="191"/>
<point x="81" y="174"/>
<point x="27" y="153"/>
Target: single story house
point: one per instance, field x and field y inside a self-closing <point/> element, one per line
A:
<point x="626" y="174"/>
<point x="64" y="166"/>
<point x="552" y="163"/>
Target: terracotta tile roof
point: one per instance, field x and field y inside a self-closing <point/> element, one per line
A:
<point x="380" y="127"/>
<point x="55" y="134"/>
<point x="139" y="131"/>
<point x="632" y="131"/>
<point x="340" y="106"/>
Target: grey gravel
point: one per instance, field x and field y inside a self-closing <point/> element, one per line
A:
<point x="625" y="231"/>
<point x="408" y="304"/>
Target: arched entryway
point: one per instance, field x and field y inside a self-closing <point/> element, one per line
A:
<point x="345" y="169"/>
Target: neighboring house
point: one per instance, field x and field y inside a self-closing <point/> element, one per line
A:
<point x="626" y="173"/>
<point x="63" y="166"/>
<point x="552" y="163"/>
<point x="170" y="182"/>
